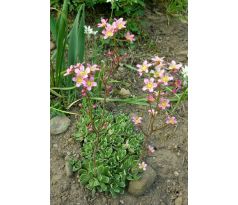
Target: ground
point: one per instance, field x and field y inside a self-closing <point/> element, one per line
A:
<point x="170" y="159"/>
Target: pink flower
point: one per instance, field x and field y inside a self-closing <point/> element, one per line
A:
<point x="79" y="80"/>
<point x="84" y="92"/>
<point x="142" y="165"/>
<point x="144" y="67"/>
<point x="178" y="83"/>
<point x="79" y="66"/>
<point x="151" y="149"/>
<point x="108" y="31"/>
<point x="165" y="79"/>
<point x="119" y="24"/>
<point x="130" y="37"/>
<point x="164" y="103"/>
<point x="174" y="67"/>
<point x="93" y="68"/>
<point x="89" y="83"/>
<point x="149" y="84"/>
<point x="103" y="23"/>
<point x="158" y="72"/>
<point x="81" y="71"/>
<point x="171" y="120"/>
<point x="69" y="70"/>
<point x="158" y="62"/>
<point x="136" y="120"/>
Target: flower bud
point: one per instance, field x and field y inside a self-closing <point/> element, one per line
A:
<point x="150" y="99"/>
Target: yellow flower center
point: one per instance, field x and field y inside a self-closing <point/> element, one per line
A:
<point x="79" y="79"/>
<point x="144" y="67"/>
<point x="171" y="121"/>
<point x="157" y="74"/>
<point x="109" y="33"/>
<point x="89" y="83"/>
<point x="119" y="25"/>
<point x="165" y="79"/>
<point x="149" y="85"/>
<point x="164" y="104"/>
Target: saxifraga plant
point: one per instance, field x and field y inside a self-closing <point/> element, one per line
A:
<point x="107" y="163"/>
<point x="111" y="148"/>
<point x="161" y="81"/>
<point x="112" y="152"/>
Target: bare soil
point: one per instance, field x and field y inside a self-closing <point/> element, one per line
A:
<point x="169" y="160"/>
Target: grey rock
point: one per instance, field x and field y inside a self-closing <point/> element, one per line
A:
<point x="59" y="124"/>
<point x="165" y="163"/>
<point x="124" y="92"/>
<point x="138" y="187"/>
<point x="178" y="201"/>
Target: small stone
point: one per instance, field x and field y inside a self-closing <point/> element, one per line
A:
<point x="68" y="169"/>
<point x="52" y="46"/>
<point x="176" y="173"/>
<point x="121" y="202"/>
<point x="178" y="201"/>
<point x="59" y="124"/>
<point x="121" y="69"/>
<point x="138" y="187"/>
<point x="55" y="145"/>
<point x="124" y="92"/>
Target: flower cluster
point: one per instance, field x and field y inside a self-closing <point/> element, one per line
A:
<point x="159" y="77"/>
<point x="83" y="75"/>
<point x="109" y="30"/>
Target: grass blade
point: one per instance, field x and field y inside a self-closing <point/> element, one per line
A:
<point x="74" y="41"/>
<point x="53" y="27"/>
<point x="61" y="29"/>
<point x="81" y="36"/>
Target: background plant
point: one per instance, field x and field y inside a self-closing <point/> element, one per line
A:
<point x="74" y="40"/>
<point x="120" y="7"/>
<point x="177" y="7"/>
<point x="70" y="46"/>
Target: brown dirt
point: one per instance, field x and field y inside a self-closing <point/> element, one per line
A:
<point x="170" y="158"/>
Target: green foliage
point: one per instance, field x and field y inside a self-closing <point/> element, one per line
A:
<point x="128" y="7"/>
<point x="117" y="152"/>
<point x="120" y="7"/>
<point x="177" y="7"/>
<point x="75" y="39"/>
<point x="61" y="35"/>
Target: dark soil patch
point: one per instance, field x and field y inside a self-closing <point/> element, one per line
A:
<point x="170" y="158"/>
